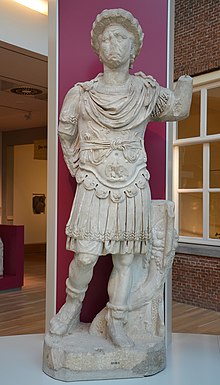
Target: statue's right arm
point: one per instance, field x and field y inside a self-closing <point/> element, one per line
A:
<point x="68" y="129"/>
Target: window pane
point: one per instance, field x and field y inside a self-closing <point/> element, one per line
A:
<point x="213" y="111"/>
<point x="214" y="216"/>
<point x="190" y="127"/>
<point x="190" y="214"/>
<point x="215" y="165"/>
<point x="190" y="166"/>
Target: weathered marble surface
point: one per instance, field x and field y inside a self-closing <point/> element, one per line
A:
<point x="82" y="356"/>
<point x="101" y="129"/>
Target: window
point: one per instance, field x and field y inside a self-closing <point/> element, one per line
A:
<point x="197" y="166"/>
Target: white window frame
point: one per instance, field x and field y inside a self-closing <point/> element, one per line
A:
<point x="200" y="83"/>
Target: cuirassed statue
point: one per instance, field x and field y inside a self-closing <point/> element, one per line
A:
<point x="101" y="129"/>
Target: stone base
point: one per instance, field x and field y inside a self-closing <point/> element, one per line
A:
<point x="82" y="356"/>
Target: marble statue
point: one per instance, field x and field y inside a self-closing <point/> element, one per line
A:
<point x="101" y="129"/>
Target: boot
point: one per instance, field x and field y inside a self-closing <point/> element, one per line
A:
<point x="67" y="318"/>
<point x="115" y="327"/>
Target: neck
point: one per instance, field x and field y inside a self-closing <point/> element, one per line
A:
<point x="114" y="76"/>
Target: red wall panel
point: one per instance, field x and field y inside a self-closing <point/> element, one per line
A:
<point x="77" y="63"/>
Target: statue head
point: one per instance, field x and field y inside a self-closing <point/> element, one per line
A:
<point x="114" y="17"/>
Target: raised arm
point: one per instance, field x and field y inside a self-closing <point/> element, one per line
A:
<point x="174" y="105"/>
<point x="68" y="129"/>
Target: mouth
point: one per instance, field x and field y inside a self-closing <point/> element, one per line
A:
<point x="114" y="56"/>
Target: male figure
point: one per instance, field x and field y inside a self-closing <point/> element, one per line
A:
<point x="102" y="125"/>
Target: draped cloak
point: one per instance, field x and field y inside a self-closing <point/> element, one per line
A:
<point x="105" y="127"/>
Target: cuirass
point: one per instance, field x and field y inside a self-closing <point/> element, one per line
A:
<point x="114" y="156"/>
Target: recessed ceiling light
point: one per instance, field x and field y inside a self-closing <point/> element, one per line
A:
<point x="37" y="5"/>
<point x="26" y="91"/>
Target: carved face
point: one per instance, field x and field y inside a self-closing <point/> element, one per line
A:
<point x="115" y="46"/>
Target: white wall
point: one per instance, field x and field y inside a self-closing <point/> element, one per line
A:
<point x="30" y="177"/>
<point x="23" y="27"/>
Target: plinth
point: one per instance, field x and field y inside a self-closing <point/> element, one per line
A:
<point x="82" y="356"/>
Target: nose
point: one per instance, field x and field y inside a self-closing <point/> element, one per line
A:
<point x="112" y="39"/>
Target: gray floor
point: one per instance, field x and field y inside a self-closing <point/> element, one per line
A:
<point x="193" y="359"/>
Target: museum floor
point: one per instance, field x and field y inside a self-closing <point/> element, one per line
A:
<point x="193" y="357"/>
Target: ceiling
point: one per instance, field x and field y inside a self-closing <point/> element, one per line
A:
<point x="22" y="68"/>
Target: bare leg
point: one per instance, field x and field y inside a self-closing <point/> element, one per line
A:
<point x="80" y="274"/>
<point x="119" y="288"/>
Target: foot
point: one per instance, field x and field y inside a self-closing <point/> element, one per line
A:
<point x="66" y="319"/>
<point x="117" y="333"/>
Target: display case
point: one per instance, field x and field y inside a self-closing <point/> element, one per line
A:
<point x="13" y="259"/>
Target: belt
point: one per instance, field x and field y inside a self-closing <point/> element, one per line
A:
<point x="113" y="145"/>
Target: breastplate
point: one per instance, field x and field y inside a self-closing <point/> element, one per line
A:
<point x="114" y="156"/>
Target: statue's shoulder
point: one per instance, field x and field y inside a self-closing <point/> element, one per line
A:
<point x="72" y="96"/>
<point x="70" y="104"/>
<point x="147" y="80"/>
<point x="80" y="87"/>
<point x="88" y="85"/>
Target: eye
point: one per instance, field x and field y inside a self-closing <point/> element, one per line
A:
<point x="120" y="36"/>
<point x="105" y="39"/>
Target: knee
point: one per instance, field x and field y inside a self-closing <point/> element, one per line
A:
<point x="86" y="260"/>
<point x="123" y="261"/>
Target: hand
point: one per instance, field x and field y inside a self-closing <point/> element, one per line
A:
<point x="185" y="78"/>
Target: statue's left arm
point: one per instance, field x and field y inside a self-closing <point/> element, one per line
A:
<point x="173" y="105"/>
